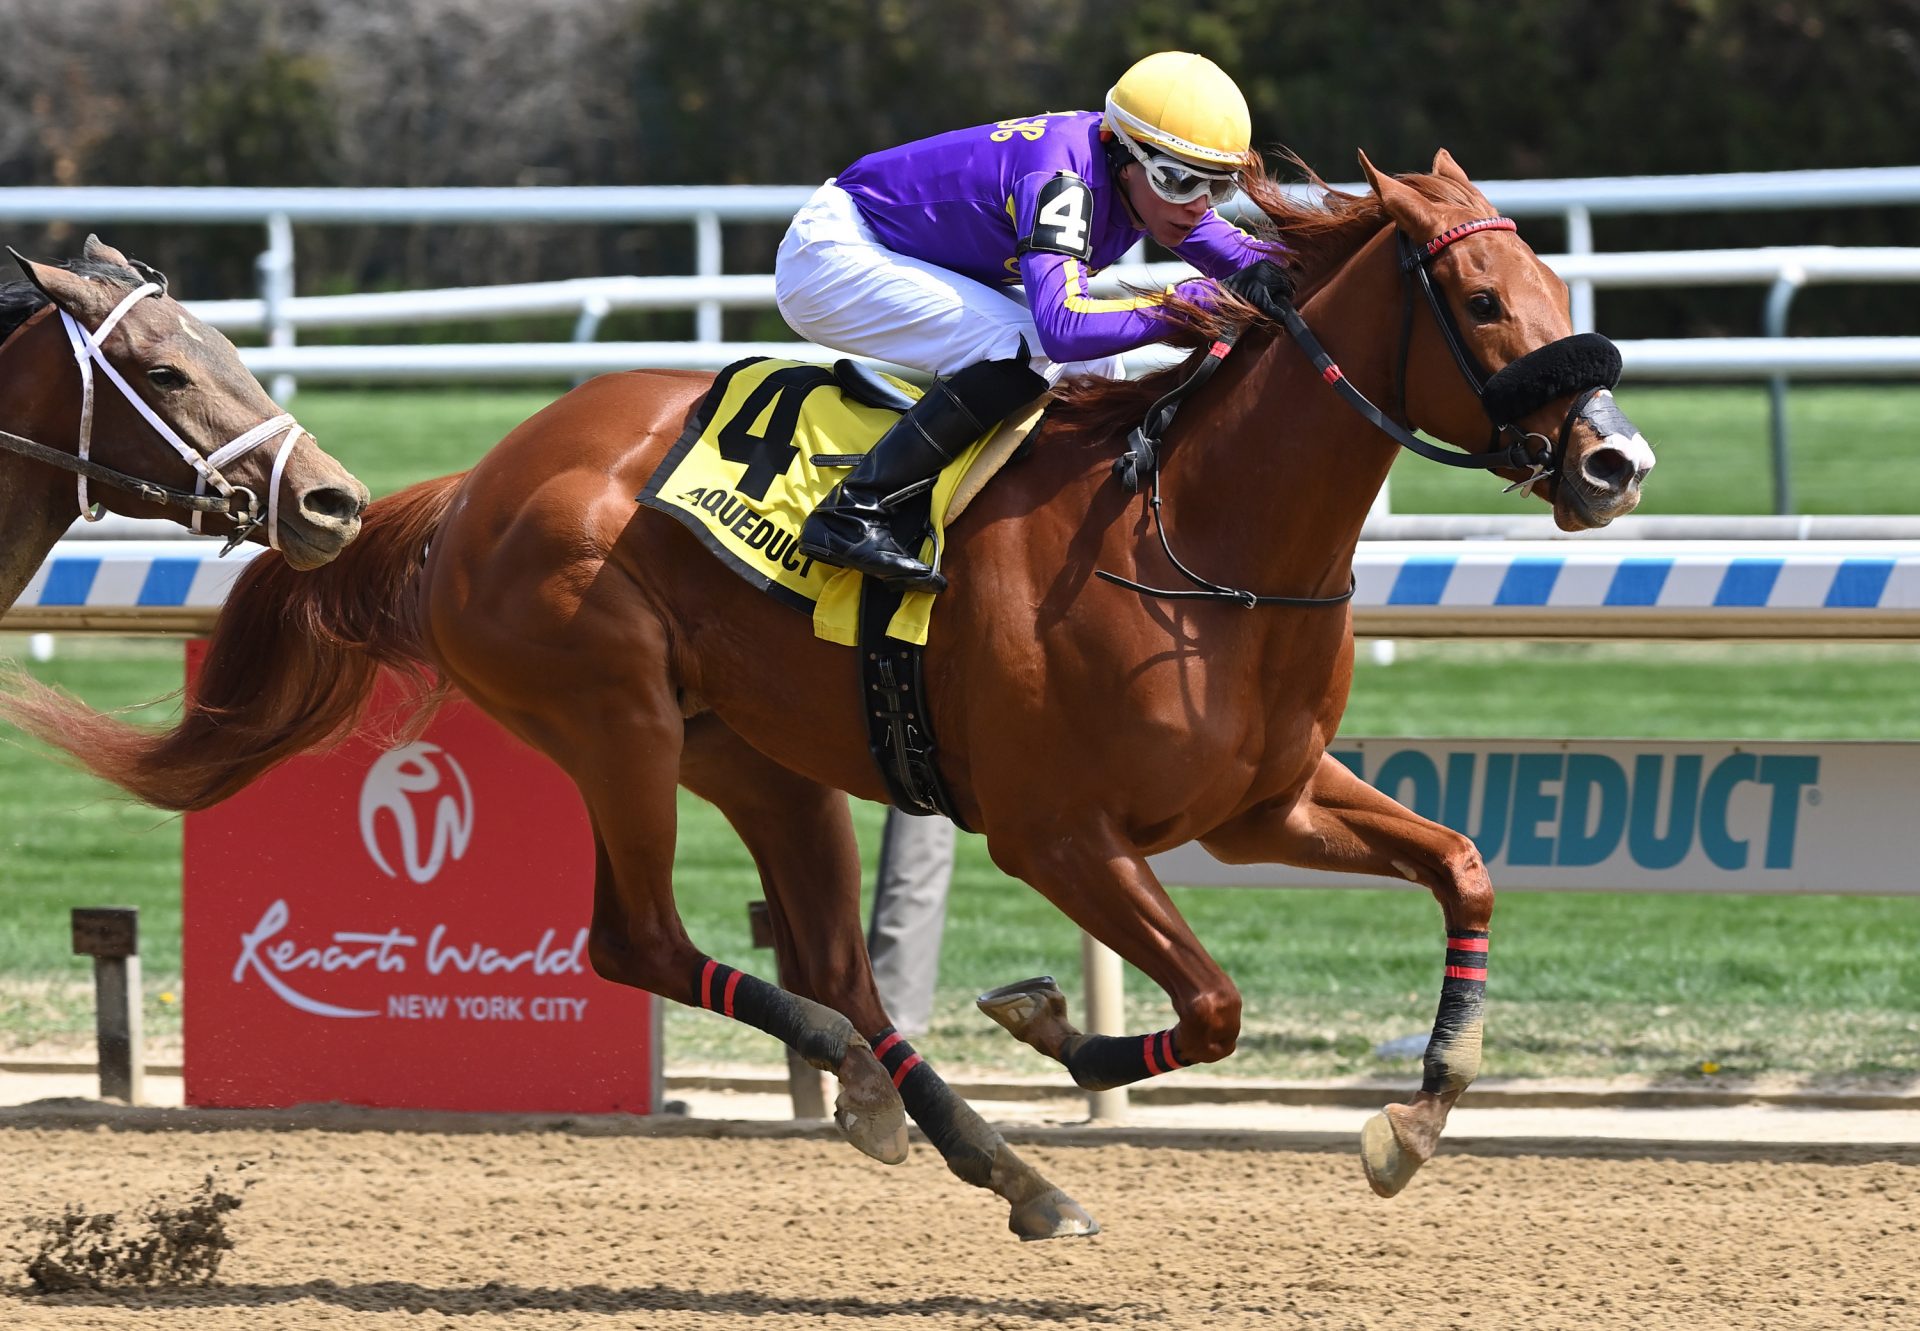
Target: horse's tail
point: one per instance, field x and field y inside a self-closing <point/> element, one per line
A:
<point x="291" y="663"/>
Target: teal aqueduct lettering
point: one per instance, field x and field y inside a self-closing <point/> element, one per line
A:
<point x="1579" y="809"/>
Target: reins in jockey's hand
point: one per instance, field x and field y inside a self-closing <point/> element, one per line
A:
<point x="1581" y="364"/>
<point x="1266" y="285"/>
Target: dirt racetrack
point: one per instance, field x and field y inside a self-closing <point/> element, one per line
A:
<point x="550" y="1230"/>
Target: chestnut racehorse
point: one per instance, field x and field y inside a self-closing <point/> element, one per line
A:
<point x="1084" y="726"/>
<point x="104" y="374"/>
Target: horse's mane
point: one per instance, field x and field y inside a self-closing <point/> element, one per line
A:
<point x="19" y="300"/>
<point x="1318" y="235"/>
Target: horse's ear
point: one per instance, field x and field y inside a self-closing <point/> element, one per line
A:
<point x="1405" y="204"/>
<point x="1445" y="166"/>
<point x="1369" y="170"/>
<point x="100" y="252"/>
<point x="88" y="299"/>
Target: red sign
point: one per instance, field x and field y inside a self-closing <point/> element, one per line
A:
<point x="406" y="927"/>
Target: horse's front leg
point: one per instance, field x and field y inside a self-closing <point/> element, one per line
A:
<point x="1341" y="823"/>
<point x="1103" y="884"/>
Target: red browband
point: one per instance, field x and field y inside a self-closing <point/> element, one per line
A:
<point x="1465" y="229"/>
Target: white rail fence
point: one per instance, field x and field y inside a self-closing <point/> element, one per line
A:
<point x="279" y="314"/>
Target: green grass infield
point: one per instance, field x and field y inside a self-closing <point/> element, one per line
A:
<point x="1811" y="990"/>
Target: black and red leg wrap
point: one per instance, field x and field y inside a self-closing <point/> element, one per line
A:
<point x="965" y="1142"/>
<point x="895" y="1055"/>
<point x="720" y="988"/>
<point x="1463" y="1002"/>
<point x="1102" y="1062"/>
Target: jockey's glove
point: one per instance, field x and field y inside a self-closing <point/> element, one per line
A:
<point x="1266" y="285"/>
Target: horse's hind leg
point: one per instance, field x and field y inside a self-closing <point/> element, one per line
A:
<point x="621" y="742"/>
<point x="1343" y="824"/>
<point x="801" y="839"/>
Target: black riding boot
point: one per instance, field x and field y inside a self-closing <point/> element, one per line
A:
<point x="852" y="527"/>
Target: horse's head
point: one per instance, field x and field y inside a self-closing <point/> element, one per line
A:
<point x="178" y="409"/>
<point x="1500" y="318"/>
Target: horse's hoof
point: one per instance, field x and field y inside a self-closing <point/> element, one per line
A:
<point x="1390" y="1165"/>
<point x="868" y="1108"/>
<point x="1021" y="1006"/>
<point x="1051" y="1215"/>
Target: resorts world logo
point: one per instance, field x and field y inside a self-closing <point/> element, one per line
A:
<point x="430" y="804"/>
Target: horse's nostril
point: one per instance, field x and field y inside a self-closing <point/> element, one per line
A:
<point x="1608" y="467"/>
<point x="331" y="502"/>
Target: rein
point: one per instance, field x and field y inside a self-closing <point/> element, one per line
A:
<point x="1142" y="459"/>
<point x="249" y="516"/>
<point x="1583" y="363"/>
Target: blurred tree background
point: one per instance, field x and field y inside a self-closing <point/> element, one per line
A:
<point x="583" y="92"/>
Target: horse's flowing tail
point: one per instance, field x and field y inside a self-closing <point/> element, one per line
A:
<point x="291" y="664"/>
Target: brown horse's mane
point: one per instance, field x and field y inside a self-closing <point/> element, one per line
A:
<point x="1318" y="237"/>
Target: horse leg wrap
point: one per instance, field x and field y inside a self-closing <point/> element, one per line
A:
<point x="1102" y="1062"/>
<point x="1453" y="1054"/>
<point x="818" y="1034"/>
<point x="963" y="1138"/>
<point x="974" y="1151"/>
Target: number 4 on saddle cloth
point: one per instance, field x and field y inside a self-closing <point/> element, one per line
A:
<point x="765" y="445"/>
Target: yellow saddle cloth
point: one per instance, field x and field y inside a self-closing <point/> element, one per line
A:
<point x="760" y="451"/>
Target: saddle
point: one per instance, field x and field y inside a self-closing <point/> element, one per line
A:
<point x="764" y="445"/>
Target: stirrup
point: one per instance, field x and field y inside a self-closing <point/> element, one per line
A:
<point x="873" y="554"/>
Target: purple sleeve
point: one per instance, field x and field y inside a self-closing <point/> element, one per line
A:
<point x="1074" y="325"/>
<point x="1220" y="249"/>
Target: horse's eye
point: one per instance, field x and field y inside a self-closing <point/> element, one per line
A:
<point x="1484" y="306"/>
<point x="165" y="376"/>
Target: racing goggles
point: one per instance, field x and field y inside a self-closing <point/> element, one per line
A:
<point x="1179" y="181"/>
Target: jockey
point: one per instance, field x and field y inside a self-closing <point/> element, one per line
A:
<point x="967" y="256"/>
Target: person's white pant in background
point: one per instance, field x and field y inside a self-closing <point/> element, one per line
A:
<point x="837" y="285"/>
<point x="909" y="916"/>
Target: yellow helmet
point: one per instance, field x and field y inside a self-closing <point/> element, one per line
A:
<point x="1185" y="105"/>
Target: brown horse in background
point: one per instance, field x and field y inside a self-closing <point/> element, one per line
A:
<point x="1083" y="726"/>
<point x="289" y="493"/>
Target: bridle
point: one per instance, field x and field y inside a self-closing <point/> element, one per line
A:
<point x="1581" y="363"/>
<point x="236" y="501"/>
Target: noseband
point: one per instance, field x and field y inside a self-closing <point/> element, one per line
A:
<point x="235" y="501"/>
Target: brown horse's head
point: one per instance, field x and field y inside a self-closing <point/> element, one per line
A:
<point x="191" y="378"/>
<point x="1505" y="303"/>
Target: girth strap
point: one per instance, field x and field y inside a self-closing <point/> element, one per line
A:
<point x="894" y="701"/>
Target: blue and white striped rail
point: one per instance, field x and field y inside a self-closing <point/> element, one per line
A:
<point x="129" y="587"/>
<point x="1461" y="588"/>
<point x="1658" y="589"/>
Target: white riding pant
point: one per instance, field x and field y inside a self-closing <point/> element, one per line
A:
<point x="837" y="285"/>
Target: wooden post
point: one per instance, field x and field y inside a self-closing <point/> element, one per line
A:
<point x="111" y="936"/>
<point x="805" y="1082"/>
<point x="1106" y="1015"/>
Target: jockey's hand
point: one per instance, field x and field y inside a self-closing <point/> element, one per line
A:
<point x="1265" y="285"/>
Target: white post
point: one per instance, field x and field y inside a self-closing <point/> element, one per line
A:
<point x="1105" y="1015"/>
<point x="707" y="263"/>
<point x="1580" y="241"/>
<point x="276" y="289"/>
